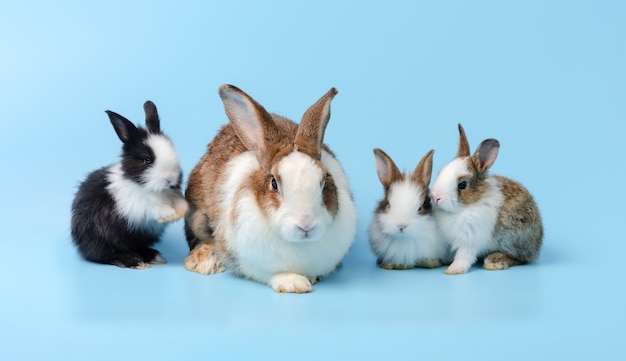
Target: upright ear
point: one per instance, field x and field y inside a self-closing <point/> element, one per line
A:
<point x="252" y="123"/>
<point x="486" y="154"/>
<point x="464" y="150"/>
<point x="424" y="169"/>
<point x="386" y="168"/>
<point x="125" y="130"/>
<point x="310" y="136"/>
<point x="152" y="117"/>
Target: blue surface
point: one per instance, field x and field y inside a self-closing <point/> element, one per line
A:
<point x="545" y="78"/>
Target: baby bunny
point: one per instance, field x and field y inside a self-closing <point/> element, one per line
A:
<point x="403" y="233"/>
<point x="269" y="200"/>
<point x="485" y="215"/>
<point x="121" y="210"/>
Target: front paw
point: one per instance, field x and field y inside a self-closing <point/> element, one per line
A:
<point x="457" y="268"/>
<point x="203" y="259"/>
<point x="181" y="207"/>
<point x="169" y="214"/>
<point x="290" y="283"/>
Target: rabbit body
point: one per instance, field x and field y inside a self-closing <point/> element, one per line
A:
<point x="269" y="200"/>
<point x="403" y="233"/>
<point x="120" y="211"/>
<point x="483" y="215"/>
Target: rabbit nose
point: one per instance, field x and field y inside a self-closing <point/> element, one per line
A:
<point x="402" y="227"/>
<point x="306" y="230"/>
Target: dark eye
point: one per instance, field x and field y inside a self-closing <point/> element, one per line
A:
<point x="462" y="185"/>
<point x="147" y="160"/>
<point x="274" y="184"/>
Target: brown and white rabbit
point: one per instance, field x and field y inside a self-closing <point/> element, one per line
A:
<point x="269" y="200"/>
<point x="484" y="215"/>
<point x="403" y="233"/>
<point x="121" y="210"/>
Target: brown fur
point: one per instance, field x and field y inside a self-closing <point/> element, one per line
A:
<point x="518" y="231"/>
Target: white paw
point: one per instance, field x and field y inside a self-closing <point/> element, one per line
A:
<point x="168" y="214"/>
<point x="290" y="283"/>
<point x="457" y="268"/>
<point x="181" y="207"/>
<point x="204" y="260"/>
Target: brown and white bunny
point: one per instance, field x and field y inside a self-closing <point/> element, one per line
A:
<point x="484" y="215"/>
<point x="403" y="233"/>
<point x="269" y="200"/>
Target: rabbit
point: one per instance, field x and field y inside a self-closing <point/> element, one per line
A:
<point x="483" y="215"/>
<point x="121" y="210"/>
<point x="269" y="200"/>
<point x="403" y="233"/>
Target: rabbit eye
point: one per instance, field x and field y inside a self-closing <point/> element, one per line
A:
<point x="462" y="185"/>
<point x="274" y="184"/>
<point x="147" y="160"/>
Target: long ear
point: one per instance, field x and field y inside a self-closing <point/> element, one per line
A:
<point x="486" y="154"/>
<point x="252" y="123"/>
<point x="424" y="169"/>
<point x="310" y="136"/>
<point x="125" y="130"/>
<point x="152" y="117"/>
<point x="464" y="149"/>
<point x="385" y="168"/>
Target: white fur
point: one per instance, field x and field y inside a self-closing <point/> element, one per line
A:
<point x="468" y="227"/>
<point x="265" y="245"/>
<point x="401" y="236"/>
<point x="165" y="171"/>
<point x="147" y="206"/>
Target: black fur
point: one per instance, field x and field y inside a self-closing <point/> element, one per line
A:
<point x="101" y="234"/>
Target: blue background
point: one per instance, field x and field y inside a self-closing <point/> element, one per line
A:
<point x="546" y="78"/>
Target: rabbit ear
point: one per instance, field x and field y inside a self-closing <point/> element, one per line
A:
<point x="252" y="123"/>
<point x="310" y="136"/>
<point x="424" y="169"/>
<point x="486" y="154"/>
<point x="386" y="168"/>
<point x="152" y="117"/>
<point x="464" y="150"/>
<point x="125" y="130"/>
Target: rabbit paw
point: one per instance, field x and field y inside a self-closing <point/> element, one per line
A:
<point x="204" y="260"/>
<point x="429" y="263"/>
<point x="181" y="207"/>
<point x="130" y="260"/>
<point x="168" y="214"/>
<point x="290" y="283"/>
<point x="499" y="261"/>
<point x="389" y="266"/>
<point x="456" y="268"/>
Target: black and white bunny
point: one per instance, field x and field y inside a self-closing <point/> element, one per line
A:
<point x="121" y="210"/>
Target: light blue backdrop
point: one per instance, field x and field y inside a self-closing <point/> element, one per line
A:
<point x="546" y="78"/>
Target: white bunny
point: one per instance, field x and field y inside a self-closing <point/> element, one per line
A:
<point x="403" y="233"/>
